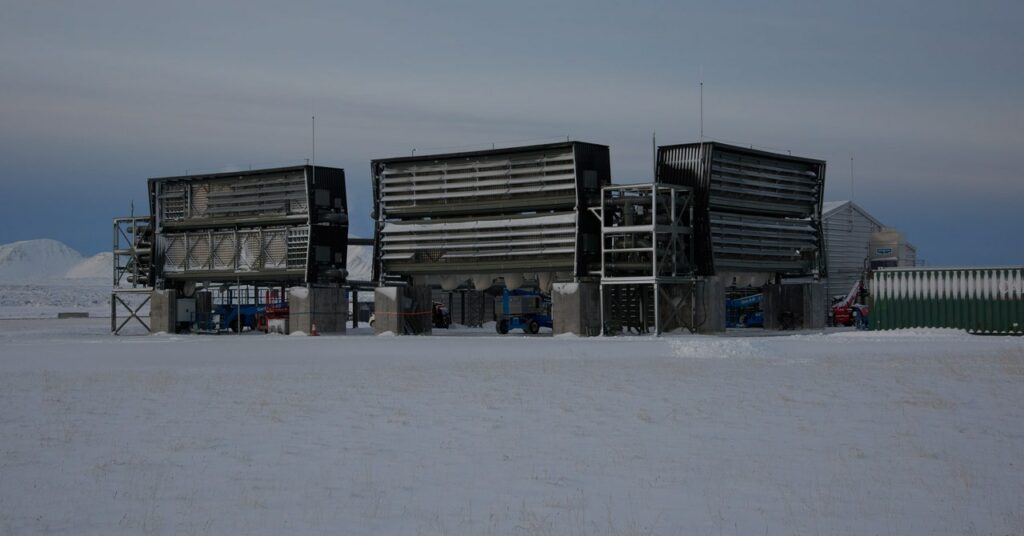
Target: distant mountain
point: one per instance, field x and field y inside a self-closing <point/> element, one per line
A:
<point x="99" y="266"/>
<point x="36" y="260"/>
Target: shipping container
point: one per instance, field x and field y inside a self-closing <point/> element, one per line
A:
<point x="979" y="300"/>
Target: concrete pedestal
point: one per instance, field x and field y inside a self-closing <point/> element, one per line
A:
<point x="698" y="306"/>
<point x="163" y="311"/>
<point x="794" y="306"/>
<point x="576" y="308"/>
<point x="327" y="307"/>
<point x="709" y="305"/>
<point x="403" y="310"/>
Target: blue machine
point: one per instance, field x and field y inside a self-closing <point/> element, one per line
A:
<point x="229" y="316"/>
<point x="744" y="312"/>
<point x="524" y="309"/>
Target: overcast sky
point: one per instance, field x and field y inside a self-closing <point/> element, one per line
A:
<point x="927" y="97"/>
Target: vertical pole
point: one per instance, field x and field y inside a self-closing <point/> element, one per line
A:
<point x="238" y="304"/>
<point x="314" y="150"/>
<point x="654" y="233"/>
<point x="851" y="177"/>
<point x="114" y="282"/>
<point x="355" y="307"/>
<point x="702" y="103"/>
<point x="673" y="219"/>
<point x="657" y="310"/>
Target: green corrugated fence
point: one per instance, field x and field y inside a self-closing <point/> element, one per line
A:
<point x="979" y="300"/>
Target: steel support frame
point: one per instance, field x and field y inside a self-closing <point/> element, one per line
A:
<point x="116" y="298"/>
<point x="664" y="262"/>
<point x="669" y="263"/>
<point x="132" y="259"/>
<point x="660" y="286"/>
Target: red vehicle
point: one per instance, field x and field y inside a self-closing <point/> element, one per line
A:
<point x="848" y="313"/>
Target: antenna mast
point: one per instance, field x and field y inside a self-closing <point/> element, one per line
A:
<point x="314" y="149"/>
<point x="851" y="177"/>
<point x="702" y="103"/>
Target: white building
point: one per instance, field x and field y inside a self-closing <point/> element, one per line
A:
<point x="849" y="231"/>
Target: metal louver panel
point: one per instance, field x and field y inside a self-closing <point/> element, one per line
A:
<point x="265" y="195"/>
<point x="200" y="252"/>
<point x="516" y="209"/>
<point x="173" y="202"/>
<point x="275" y="249"/>
<point x="297" y="240"/>
<point x="174" y="254"/>
<point x="741" y="242"/>
<point x="547" y="241"/>
<point x="516" y="181"/>
<point x="199" y="197"/>
<point x="223" y="251"/>
<point x="762" y="185"/>
<point x="250" y="251"/>
<point x="756" y="211"/>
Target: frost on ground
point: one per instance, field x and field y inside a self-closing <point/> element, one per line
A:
<point x="45" y="300"/>
<point x="909" y="433"/>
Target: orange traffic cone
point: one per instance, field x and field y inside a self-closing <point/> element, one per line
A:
<point x="313" y="330"/>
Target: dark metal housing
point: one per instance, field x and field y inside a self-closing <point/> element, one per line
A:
<point x="756" y="211"/>
<point x="519" y="209"/>
<point x="276" y="226"/>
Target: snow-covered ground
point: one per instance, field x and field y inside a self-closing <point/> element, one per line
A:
<point x="469" y="433"/>
<point x="40" y="278"/>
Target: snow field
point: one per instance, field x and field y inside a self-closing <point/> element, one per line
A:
<point x="852" y="433"/>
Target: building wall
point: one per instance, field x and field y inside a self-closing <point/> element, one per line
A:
<point x="847" y="233"/>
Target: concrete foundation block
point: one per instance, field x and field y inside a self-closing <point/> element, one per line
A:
<point x="403" y="310"/>
<point x="576" y="308"/>
<point x="794" y="306"/>
<point x="710" y="306"/>
<point x="163" y="311"/>
<point x="327" y="307"/>
<point x="697" y="306"/>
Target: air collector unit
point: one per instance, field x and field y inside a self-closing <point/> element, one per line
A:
<point x="513" y="213"/>
<point x="283" y="226"/>
<point x="756" y="211"/>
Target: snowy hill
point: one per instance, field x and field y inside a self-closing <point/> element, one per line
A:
<point x="36" y="260"/>
<point x="98" y="266"/>
<point x="39" y="278"/>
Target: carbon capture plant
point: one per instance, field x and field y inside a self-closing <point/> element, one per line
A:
<point x="615" y="258"/>
<point x="516" y="215"/>
<point x="239" y="250"/>
<point x="539" y="229"/>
